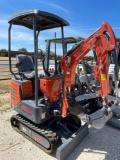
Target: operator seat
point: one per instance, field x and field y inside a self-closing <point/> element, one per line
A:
<point x="25" y="66"/>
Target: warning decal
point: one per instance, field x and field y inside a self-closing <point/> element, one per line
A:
<point x="103" y="77"/>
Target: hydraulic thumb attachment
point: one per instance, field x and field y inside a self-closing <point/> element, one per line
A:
<point x="100" y="117"/>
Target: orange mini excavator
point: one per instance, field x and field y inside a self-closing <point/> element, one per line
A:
<point x="42" y="101"/>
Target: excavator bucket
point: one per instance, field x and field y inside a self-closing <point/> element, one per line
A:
<point x="100" y="118"/>
<point x="71" y="143"/>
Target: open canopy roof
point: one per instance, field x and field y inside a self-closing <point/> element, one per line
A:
<point x="44" y="20"/>
<point x="66" y="40"/>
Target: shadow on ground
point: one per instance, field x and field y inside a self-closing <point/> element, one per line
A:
<point x="101" y="144"/>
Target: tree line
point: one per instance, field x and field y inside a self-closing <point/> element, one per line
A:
<point x="41" y="53"/>
<point x="5" y="54"/>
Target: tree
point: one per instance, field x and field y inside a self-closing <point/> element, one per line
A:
<point x="3" y="50"/>
<point x="22" y="49"/>
<point x="41" y="54"/>
<point x="4" y="54"/>
<point x="52" y="55"/>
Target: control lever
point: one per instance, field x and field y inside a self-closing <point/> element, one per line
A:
<point x="45" y="71"/>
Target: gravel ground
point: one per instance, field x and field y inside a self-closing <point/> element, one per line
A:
<point x="101" y="144"/>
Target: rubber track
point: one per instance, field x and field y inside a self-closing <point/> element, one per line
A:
<point x="46" y="133"/>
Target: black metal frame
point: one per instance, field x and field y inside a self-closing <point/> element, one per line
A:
<point x="35" y="59"/>
<point x="9" y="47"/>
<point x="67" y="40"/>
<point x="47" y="56"/>
<point x="58" y="22"/>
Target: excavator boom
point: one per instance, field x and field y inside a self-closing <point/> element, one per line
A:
<point x="103" y="41"/>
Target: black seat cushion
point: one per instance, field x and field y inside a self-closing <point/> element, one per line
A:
<point x="26" y="63"/>
<point x="26" y="66"/>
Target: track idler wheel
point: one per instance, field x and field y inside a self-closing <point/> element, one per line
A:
<point x="13" y="121"/>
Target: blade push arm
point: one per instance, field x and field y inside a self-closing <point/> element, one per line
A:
<point x="103" y="41"/>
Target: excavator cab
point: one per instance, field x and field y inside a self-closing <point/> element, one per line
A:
<point x="38" y="98"/>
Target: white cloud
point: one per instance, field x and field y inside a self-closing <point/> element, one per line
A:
<point x="41" y="46"/>
<point x="21" y="36"/>
<point x="53" y="5"/>
<point x="3" y="21"/>
<point x="3" y="35"/>
<point x="116" y="28"/>
<point x="71" y="31"/>
<point x="58" y="7"/>
<point x="31" y="39"/>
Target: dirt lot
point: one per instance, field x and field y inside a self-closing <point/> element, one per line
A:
<point x="101" y="144"/>
<point x="6" y="58"/>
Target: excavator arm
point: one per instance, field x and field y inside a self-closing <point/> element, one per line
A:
<point x="103" y="41"/>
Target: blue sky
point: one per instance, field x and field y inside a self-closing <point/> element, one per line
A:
<point x="84" y="16"/>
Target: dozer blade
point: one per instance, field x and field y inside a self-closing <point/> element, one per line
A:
<point x="70" y="144"/>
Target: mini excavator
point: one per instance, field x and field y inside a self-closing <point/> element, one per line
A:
<point x="42" y="101"/>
